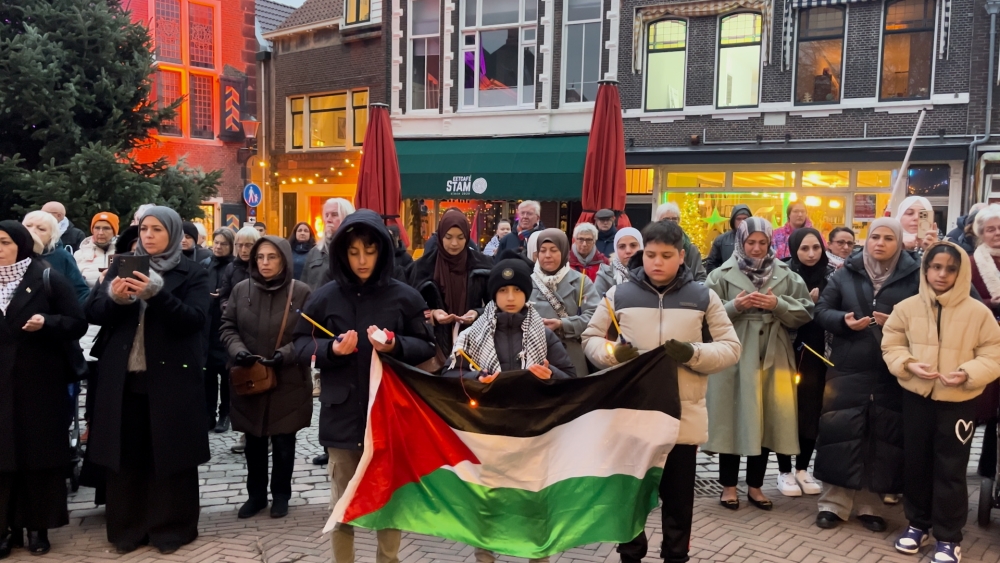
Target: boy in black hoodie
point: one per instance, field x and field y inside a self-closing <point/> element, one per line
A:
<point x="362" y="298"/>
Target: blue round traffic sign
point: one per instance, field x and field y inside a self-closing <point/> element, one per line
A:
<point x="252" y="195"/>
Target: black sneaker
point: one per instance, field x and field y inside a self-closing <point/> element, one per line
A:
<point x="873" y="523"/>
<point x="321" y="459"/>
<point x="251" y="507"/>
<point x="827" y="520"/>
<point x="223" y="425"/>
<point x="279" y="507"/>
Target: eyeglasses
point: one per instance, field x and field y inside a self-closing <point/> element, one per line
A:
<point x="586" y="240"/>
<point x="843" y="242"/>
<point x="244" y="245"/>
<point x="672" y="219"/>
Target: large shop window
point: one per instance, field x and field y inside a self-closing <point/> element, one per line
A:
<point x="665" y="65"/>
<point x="425" y="54"/>
<point x="820" y="56"/>
<point x="358" y="11"/>
<point x="498" y="53"/>
<point x="335" y="121"/>
<point x="739" y="61"/>
<point x="187" y="66"/>
<point x="582" y="50"/>
<point x="907" y="49"/>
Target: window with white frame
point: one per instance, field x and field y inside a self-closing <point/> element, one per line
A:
<point x="907" y="49"/>
<point x="738" y="83"/>
<point x="328" y="121"/>
<point x="582" y="50"/>
<point x="665" y="65"/>
<point x="187" y="66"/>
<point x="820" y="54"/>
<point x="425" y="54"/>
<point x="497" y="67"/>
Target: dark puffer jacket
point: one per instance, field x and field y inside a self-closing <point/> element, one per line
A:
<point x="722" y="246"/>
<point x="235" y="272"/>
<point x="421" y="278"/>
<point x="860" y="442"/>
<point x="216" y="266"/>
<point x="251" y="325"/>
<point x="509" y="342"/>
<point x="348" y="304"/>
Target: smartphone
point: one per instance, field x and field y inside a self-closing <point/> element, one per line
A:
<point x="129" y="265"/>
<point x="104" y="262"/>
<point x="925" y="223"/>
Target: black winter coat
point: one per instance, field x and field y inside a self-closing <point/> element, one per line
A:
<point x="346" y="304"/>
<point x="606" y="241"/>
<point x="517" y="242"/>
<point x="509" y="342"/>
<point x="860" y="442"/>
<point x="235" y="272"/>
<point x="34" y="372"/>
<point x="216" y="267"/>
<point x="175" y="356"/>
<point x="722" y="246"/>
<point x="73" y="237"/>
<point x="421" y="278"/>
<point x="251" y="325"/>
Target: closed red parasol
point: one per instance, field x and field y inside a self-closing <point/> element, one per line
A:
<point x="604" y="171"/>
<point x="379" y="186"/>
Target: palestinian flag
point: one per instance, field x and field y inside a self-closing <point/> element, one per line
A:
<point x="532" y="469"/>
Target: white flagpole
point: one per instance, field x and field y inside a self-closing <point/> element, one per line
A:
<point x="899" y="188"/>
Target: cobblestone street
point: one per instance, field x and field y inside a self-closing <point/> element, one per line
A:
<point x="787" y="533"/>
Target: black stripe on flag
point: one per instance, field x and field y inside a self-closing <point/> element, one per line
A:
<point x="518" y="404"/>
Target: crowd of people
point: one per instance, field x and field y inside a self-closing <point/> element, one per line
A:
<point x="867" y="363"/>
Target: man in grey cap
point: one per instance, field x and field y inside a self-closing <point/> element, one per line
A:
<point x="606" y="230"/>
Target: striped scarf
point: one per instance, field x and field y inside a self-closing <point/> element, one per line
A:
<point x="620" y="270"/>
<point x="477" y="341"/>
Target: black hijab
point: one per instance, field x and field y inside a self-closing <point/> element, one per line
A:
<point x="21" y="237"/>
<point x="815" y="275"/>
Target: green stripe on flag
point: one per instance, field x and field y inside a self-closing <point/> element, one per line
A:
<point x="567" y="514"/>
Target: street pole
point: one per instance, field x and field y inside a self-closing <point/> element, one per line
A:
<point x="899" y="188"/>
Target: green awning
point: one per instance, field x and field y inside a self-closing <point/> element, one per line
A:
<point x="546" y="168"/>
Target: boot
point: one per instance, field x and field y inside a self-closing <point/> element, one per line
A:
<point x="38" y="542"/>
<point x="223" y="425"/>
<point x="321" y="459"/>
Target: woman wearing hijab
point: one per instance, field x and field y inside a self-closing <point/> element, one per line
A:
<point x="531" y="248"/>
<point x="985" y="262"/>
<point x="265" y="317"/>
<point x="751" y="406"/>
<point x="628" y="241"/>
<point x="565" y="298"/>
<point x="859" y="448"/>
<point x="908" y="214"/>
<point x="452" y="278"/>
<point x="302" y="239"/>
<point x="149" y="431"/>
<point x="35" y="324"/>
<point x="810" y="260"/>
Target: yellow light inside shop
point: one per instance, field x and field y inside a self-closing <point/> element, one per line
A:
<point x="340" y="173"/>
<point x="263" y="164"/>
<point x="813" y="201"/>
<point x="793" y="197"/>
<point x="701" y="202"/>
<point x="835" y="204"/>
<point x="310" y="181"/>
<point x="317" y="175"/>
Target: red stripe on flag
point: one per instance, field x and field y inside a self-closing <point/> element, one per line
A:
<point x="409" y="441"/>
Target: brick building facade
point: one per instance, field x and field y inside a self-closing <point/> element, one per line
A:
<point x="205" y="53"/>
<point x="830" y="113"/>
<point x="327" y="64"/>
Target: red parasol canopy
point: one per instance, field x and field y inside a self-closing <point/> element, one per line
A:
<point x="604" y="172"/>
<point x="378" y="179"/>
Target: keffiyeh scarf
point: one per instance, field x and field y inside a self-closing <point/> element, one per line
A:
<point x="10" y="279"/>
<point x="549" y="284"/>
<point x="620" y="270"/>
<point x="477" y="341"/>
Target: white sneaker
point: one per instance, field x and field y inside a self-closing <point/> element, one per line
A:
<point x="788" y="486"/>
<point x="806" y="482"/>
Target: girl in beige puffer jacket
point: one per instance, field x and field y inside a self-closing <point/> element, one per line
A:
<point x="944" y="347"/>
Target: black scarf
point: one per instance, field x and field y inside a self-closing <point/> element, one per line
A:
<point x="815" y="276"/>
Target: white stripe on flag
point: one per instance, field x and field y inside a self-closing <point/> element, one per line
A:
<point x="598" y="444"/>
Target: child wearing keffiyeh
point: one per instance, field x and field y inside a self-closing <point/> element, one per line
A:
<point x="510" y="334"/>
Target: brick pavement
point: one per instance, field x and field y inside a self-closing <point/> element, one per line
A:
<point x="747" y="536"/>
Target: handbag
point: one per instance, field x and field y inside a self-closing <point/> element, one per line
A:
<point x="74" y="353"/>
<point x="257" y="379"/>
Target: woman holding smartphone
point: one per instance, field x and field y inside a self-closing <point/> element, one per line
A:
<point x="149" y="430"/>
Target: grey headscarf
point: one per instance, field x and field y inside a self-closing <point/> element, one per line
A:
<point x="879" y="271"/>
<point x="171" y="257"/>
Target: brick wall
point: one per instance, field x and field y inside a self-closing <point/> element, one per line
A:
<point x="963" y="71"/>
<point x="339" y="66"/>
<point x="238" y="52"/>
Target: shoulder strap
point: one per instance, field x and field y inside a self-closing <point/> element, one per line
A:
<point x="47" y="281"/>
<point x="859" y="291"/>
<point x="284" y="318"/>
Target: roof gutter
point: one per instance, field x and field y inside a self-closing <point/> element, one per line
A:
<point x="271" y="35"/>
